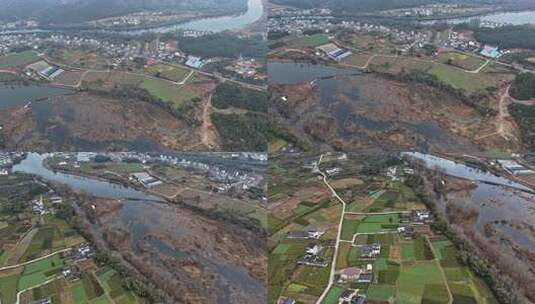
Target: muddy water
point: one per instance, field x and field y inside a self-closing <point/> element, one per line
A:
<point x="296" y="72"/>
<point x="503" y="206"/>
<point x="144" y="222"/>
<point x="11" y="96"/>
<point x="144" y="216"/>
<point x="47" y="114"/>
<point x="342" y="96"/>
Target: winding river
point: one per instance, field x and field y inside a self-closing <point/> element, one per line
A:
<point x="33" y="164"/>
<point x="255" y="10"/>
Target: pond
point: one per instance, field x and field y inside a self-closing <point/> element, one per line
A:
<point x="12" y="96"/>
<point x="280" y="72"/>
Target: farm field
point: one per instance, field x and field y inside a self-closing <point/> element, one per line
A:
<point x="78" y="58"/>
<point x="18" y="59"/>
<point x="461" y="80"/>
<point x="306" y="41"/>
<point x="173" y="73"/>
<point x="34" y="252"/>
<point x="464" y="61"/>
<point x="407" y="267"/>
<point x="368" y="43"/>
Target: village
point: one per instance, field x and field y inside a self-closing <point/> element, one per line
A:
<point x="41" y="254"/>
<point x="401" y="40"/>
<point x="123" y="55"/>
<point x="366" y="237"/>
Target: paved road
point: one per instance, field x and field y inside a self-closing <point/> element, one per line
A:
<point x="30" y="288"/>
<point x="192" y="71"/>
<point x="338" y="236"/>
<point x="35" y="260"/>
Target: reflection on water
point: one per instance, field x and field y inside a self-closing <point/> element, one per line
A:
<point x="255" y="9"/>
<point x="513" y="18"/>
<point x="297" y="72"/>
<point x="145" y="218"/>
<point x="459" y="170"/>
<point x="11" y="96"/>
<point x="504" y="206"/>
<point x="33" y="164"/>
<point x="254" y="12"/>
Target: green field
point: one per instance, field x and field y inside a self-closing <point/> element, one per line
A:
<point x="349" y="228"/>
<point x="407" y="270"/>
<point x="459" y="79"/>
<point x="307" y="41"/>
<point x="112" y="283"/>
<point x="40" y="271"/>
<point x="463" y="61"/>
<point x="168" y="91"/>
<point x="414" y="279"/>
<point x="295" y="288"/>
<point x="18" y="59"/>
<point x="381" y="292"/>
<point x="171" y="72"/>
<point x="333" y="295"/>
<point x="8" y="288"/>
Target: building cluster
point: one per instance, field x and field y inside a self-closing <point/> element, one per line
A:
<point x="137" y="18"/>
<point x="313" y="257"/>
<point x="43" y="69"/>
<point x="431" y="10"/>
<point x="8" y="160"/>
<point x="26" y="24"/>
<point x="38" y="206"/>
<point x="370" y="251"/>
<point x="116" y="50"/>
<point x="45" y="204"/>
<point x="227" y="178"/>
<point x="356" y="274"/>
<point x="333" y="51"/>
<point x="417" y="217"/>
<point x="308" y="232"/>
<point x="320" y="23"/>
<point x="147" y="180"/>
<point x="247" y="68"/>
<point x="398" y="174"/>
<point x="82" y="252"/>
<point x="514" y="168"/>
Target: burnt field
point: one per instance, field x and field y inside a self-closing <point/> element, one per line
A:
<point x="86" y="121"/>
<point x="371" y="111"/>
<point x="186" y="257"/>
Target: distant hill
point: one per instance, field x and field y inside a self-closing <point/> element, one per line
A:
<point x="56" y="12"/>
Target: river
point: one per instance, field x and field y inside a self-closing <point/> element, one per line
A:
<point x="33" y="164"/>
<point x="501" y="205"/>
<point x="146" y="220"/>
<point x="513" y="18"/>
<point x="255" y="9"/>
<point x="296" y="72"/>
<point x="459" y="170"/>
